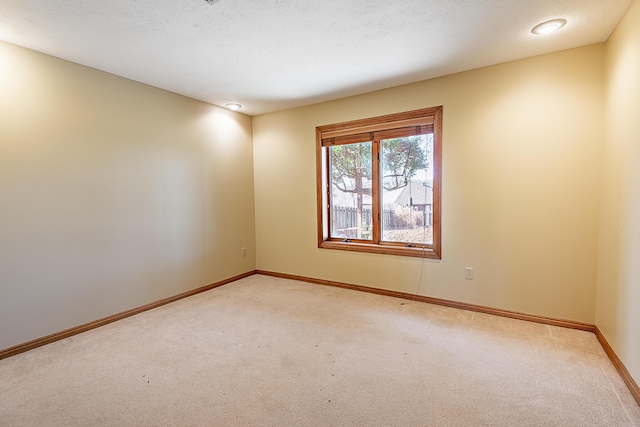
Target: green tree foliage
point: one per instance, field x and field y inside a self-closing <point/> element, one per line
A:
<point x="351" y="164"/>
<point x="402" y="157"/>
<point x="351" y="167"/>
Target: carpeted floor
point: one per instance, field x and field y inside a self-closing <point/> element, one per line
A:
<point x="264" y="351"/>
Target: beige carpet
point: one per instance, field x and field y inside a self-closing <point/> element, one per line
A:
<point x="271" y="352"/>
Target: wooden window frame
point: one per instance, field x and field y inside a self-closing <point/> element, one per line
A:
<point x="388" y="126"/>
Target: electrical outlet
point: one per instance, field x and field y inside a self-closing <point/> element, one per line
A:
<point x="468" y="273"/>
<point x="244" y="252"/>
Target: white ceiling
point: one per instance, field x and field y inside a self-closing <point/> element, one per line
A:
<point x="270" y="55"/>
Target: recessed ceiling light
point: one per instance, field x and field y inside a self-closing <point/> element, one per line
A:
<point x="233" y="106"/>
<point x="548" y="27"/>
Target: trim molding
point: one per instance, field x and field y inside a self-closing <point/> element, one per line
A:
<point x="438" y="301"/>
<point x="588" y="327"/>
<point x="622" y="370"/>
<point x="617" y="363"/>
<point x="39" y="342"/>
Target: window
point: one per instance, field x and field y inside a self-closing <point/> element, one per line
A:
<point x="379" y="184"/>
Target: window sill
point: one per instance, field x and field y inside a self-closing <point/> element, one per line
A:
<point x="388" y="249"/>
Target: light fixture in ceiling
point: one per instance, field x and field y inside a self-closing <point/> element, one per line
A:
<point x="548" y="27"/>
<point x="212" y="1"/>
<point x="233" y="106"/>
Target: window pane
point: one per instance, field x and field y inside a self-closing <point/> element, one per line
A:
<point x="350" y="175"/>
<point x="407" y="189"/>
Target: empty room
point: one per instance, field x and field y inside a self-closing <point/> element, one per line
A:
<point x="283" y="213"/>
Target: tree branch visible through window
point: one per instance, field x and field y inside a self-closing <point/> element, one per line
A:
<point x="379" y="184"/>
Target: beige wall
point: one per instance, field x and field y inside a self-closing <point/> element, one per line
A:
<point x="521" y="151"/>
<point x="113" y="194"/>
<point x="618" y="295"/>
